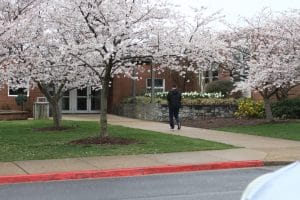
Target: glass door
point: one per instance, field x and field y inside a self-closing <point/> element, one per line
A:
<point x="82" y="99"/>
<point x="66" y="101"/>
<point x="95" y="98"/>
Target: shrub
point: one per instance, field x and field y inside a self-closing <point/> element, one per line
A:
<point x="223" y="86"/>
<point x="249" y="108"/>
<point x="162" y="95"/>
<point x="289" y="108"/>
<point x="236" y="94"/>
<point x="20" y="100"/>
<point x="143" y="100"/>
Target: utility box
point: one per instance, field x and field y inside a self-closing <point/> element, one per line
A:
<point x="41" y="108"/>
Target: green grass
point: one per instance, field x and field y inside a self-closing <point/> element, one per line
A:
<point x="19" y="140"/>
<point x="290" y="131"/>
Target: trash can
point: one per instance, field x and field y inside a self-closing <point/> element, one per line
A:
<point x="41" y="108"/>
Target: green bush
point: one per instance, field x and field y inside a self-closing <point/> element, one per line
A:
<point x="21" y="99"/>
<point x="223" y="86"/>
<point x="289" y="108"/>
<point x="143" y="100"/>
<point x="249" y="108"/>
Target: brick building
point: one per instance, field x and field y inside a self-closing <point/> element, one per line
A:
<point x="8" y="96"/>
<point x="293" y="93"/>
<point x="88" y="101"/>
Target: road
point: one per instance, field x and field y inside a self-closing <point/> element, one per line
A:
<point x="212" y="185"/>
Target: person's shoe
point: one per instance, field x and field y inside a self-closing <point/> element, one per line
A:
<point x="179" y="126"/>
<point x="171" y="129"/>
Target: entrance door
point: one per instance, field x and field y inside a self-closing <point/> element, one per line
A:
<point x="83" y="100"/>
<point x="95" y="100"/>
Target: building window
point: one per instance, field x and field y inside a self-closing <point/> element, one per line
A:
<point x="159" y="85"/>
<point x="15" y="92"/>
<point x="210" y="76"/>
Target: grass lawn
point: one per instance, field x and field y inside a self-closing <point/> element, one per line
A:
<point x="19" y="140"/>
<point x="290" y="131"/>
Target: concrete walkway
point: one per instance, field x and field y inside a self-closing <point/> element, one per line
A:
<point x="253" y="147"/>
<point x="264" y="149"/>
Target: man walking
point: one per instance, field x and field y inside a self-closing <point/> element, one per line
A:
<point x="174" y="103"/>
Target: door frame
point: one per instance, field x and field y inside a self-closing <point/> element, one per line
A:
<point x="73" y="102"/>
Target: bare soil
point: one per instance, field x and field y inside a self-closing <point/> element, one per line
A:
<point x="104" y="141"/>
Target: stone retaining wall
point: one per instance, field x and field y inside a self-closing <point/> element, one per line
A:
<point x="158" y="112"/>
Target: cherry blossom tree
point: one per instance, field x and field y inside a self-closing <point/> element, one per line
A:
<point x="288" y="21"/>
<point x="191" y="45"/>
<point x="273" y="55"/>
<point x="12" y="15"/>
<point x="41" y="60"/>
<point x="111" y="37"/>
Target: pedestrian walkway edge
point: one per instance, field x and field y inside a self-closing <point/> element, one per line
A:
<point x="138" y="171"/>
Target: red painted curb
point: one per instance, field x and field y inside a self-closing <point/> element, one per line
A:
<point x="127" y="172"/>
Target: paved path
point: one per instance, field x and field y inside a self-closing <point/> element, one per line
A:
<point x="252" y="148"/>
<point x="268" y="149"/>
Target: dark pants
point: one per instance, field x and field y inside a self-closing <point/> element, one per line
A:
<point x="173" y="113"/>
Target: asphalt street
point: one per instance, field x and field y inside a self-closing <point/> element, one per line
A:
<point x="213" y="185"/>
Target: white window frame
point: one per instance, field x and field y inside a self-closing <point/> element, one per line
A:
<point x="14" y="95"/>
<point x="155" y="88"/>
<point x="210" y="76"/>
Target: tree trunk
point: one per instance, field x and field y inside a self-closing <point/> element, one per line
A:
<point x="56" y="112"/>
<point x="54" y="100"/>
<point x="268" y="111"/>
<point x="103" y="115"/>
<point x="104" y="96"/>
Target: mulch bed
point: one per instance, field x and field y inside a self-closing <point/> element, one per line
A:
<point x="226" y="122"/>
<point x="105" y="141"/>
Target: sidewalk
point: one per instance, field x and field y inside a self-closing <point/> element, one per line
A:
<point x="254" y="151"/>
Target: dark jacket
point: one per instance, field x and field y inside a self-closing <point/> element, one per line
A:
<point x="174" y="99"/>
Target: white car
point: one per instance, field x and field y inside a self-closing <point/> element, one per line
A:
<point x="282" y="184"/>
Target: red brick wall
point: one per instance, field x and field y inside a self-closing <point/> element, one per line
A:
<point x="294" y="92"/>
<point x="9" y="103"/>
<point x="122" y="87"/>
<point x="224" y="74"/>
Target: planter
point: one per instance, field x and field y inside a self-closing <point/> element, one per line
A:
<point x="13" y="115"/>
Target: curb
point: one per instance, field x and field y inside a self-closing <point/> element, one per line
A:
<point x="277" y="163"/>
<point x="138" y="171"/>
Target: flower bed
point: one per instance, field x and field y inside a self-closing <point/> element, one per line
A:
<point x="189" y="95"/>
